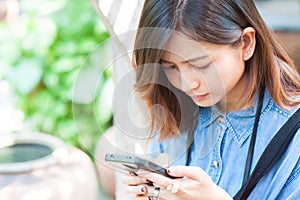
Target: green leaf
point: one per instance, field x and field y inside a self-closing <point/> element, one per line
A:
<point x="39" y="37"/>
<point x="65" y="64"/>
<point x="65" y="48"/>
<point x="104" y="103"/>
<point x="26" y="75"/>
<point x="42" y="7"/>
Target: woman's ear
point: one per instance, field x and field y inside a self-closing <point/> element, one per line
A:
<point x="248" y="42"/>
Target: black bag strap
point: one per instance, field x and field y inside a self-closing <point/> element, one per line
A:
<point x="271" y="154"/>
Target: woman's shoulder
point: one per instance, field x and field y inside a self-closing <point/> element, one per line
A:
<point x="285" y="112"/>
<point x="274" y="117"/>
<point x="282" y="116"/>
<point x="278" y="110"/>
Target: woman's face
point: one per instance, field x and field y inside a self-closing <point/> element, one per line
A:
<point x="210" y="74"/>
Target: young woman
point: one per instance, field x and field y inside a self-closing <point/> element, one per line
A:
<point x="224" y="86"/>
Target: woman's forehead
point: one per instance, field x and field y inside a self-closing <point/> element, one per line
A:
<point x="187" y="49"/>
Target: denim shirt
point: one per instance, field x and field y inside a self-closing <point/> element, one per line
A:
<point x="221" y="145"/>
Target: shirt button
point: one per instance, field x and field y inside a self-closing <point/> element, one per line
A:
<point x="216" y="164"/>
<point x="221" y="119"/>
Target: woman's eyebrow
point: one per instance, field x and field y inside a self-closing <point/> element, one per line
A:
<point x="165" y="61"/>
<point x="196" y="58"/>
<point x="186" y="61"/>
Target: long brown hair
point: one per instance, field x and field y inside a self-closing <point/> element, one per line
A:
<point x="213" y="21"/>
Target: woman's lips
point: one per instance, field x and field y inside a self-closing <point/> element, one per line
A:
<point x="199" y="97"/>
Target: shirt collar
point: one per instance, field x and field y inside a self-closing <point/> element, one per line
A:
<point x="234" y="119"/>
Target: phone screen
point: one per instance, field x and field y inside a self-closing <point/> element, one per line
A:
<point x="132" y="164"/>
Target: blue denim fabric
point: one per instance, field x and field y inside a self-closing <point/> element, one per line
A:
<point x="221" y="145"/>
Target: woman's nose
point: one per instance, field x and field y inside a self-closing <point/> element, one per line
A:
<point x="190" y="80"/>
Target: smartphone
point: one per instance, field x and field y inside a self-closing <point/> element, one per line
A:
<point x="132" y="164"/>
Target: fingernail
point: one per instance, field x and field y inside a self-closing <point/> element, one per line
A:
<point x="144" y="180"/>
<point x="132" y="174"/>
<point x="143" y="190"/>
<point x="170" y="170"/>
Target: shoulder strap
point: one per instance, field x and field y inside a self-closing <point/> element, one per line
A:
<point x="271" y="154"/>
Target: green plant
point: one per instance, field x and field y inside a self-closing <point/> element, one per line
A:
<point x="41" y="56"/>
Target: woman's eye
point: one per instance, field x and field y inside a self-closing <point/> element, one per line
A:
<point x="201" y="67"/>
<point x="171" y="67"/>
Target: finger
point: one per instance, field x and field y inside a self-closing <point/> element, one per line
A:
<point x="134" y="180"/>
<point x="163" y="193"/>
<point x="157" y="179"/>
<point x="137" y="190"/>
<point x="195" y="173"/>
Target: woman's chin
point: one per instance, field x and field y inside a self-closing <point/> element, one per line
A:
<point x="207" y="103"/>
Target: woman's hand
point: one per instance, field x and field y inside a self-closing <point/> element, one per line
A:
<point x="195" y="184"/>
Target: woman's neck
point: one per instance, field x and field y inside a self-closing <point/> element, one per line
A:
<point x="236" y="99"/>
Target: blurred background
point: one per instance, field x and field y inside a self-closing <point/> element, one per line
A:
<point x="43" y="46"/>
<point x="283" y="17"/>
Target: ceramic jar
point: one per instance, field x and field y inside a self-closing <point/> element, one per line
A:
<point x="36" y="166"/>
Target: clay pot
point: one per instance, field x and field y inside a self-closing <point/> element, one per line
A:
<point x="36" y="166"/>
